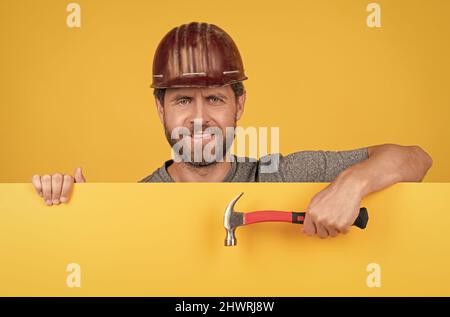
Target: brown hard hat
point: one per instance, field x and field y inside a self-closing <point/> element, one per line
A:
<point x="197" y="55"/>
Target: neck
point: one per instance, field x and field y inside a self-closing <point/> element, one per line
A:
<point x="184" y="172"/>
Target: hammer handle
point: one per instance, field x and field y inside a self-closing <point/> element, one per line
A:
<point x="295" y="217"/>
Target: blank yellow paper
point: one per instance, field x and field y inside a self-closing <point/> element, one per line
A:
<point x="167" y="240"/>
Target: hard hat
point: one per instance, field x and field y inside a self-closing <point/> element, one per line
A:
<point x="197" y="55"/>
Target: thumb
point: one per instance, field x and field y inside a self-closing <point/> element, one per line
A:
<point x="79" y="177"/>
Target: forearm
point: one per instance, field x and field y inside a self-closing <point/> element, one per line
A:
<point x="387" y="164"/>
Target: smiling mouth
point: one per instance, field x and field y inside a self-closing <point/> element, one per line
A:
<point x="203" y="136"/>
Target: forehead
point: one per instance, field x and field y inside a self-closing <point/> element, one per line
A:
<point x="225" y="90"/>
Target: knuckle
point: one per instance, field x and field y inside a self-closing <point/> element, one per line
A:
<point x="68" y="178"/>
<point x="321" y="220"/>
<point x="313" y="215"/>
<point x="333" y="224"/>
<point x="342" y="226"/>
<point x="57" y="176"/>
<point x="327" y="222"/>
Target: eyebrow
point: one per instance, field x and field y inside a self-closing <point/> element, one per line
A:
<point x="217" y="95"/>
<point x="180" y="96"/>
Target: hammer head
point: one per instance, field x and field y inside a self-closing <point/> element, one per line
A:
<point x="231" y="220"/>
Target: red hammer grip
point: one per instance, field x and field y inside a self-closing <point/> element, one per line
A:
<point x="295" y="217"/>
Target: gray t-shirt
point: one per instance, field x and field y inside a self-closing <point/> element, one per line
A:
<point x="303" y="166"/>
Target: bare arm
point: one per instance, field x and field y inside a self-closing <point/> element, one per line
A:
<point x="334" y="209"/>
<point x="388" y="164"/>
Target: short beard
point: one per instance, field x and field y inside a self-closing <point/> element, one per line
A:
<point x="201" y="164"/>
<point x="218" y="157"/>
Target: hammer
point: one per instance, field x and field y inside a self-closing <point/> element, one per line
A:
<point x="233" y="219"/>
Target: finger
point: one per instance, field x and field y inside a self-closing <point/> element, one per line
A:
<point x="36" y="180"/>
<point x="333" y="232"/>
<point x="57" y="180"/>
<point x="46" y="181"/>
<point x="322" y="231"/>
<point x="79" y="177"/>
<point x="308" y="226"/>
<point x="342" y="229"/>
<point x="66" y="188"/>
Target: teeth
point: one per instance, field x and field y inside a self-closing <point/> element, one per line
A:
<point x="202" y="136"/>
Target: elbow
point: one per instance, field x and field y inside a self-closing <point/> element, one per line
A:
<point x="422" y="162"/>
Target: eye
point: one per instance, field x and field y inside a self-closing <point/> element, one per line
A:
<point x="183" y="101"/>
<point x="215" y="99"/>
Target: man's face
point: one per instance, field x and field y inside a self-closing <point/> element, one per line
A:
<point x="212" y="107"/>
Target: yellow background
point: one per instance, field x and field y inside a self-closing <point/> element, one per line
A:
<point x="71" y="97"/>
<point x="137" y="240"/>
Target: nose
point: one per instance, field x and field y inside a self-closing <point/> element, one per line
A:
<point x="200" y="113"/>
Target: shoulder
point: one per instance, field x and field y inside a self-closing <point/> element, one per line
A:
<point x="152" y="178"/>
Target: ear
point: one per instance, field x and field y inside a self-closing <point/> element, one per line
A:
<point x="240" y="103"/>
<point x="160" y="110"/>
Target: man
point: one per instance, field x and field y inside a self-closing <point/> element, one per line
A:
<point x="197" y="75"/>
